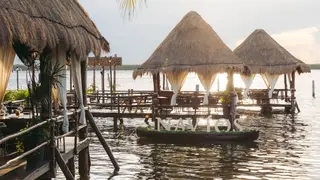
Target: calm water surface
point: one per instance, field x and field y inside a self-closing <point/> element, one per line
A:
<point x="288" y="147"/>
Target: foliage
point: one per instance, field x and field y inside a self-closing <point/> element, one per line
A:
<point x="91" y="88"/>
<point x="30" y="139"/>
<point x="129" y="6"/>
<point x="13" y="95"/>
<point x="226" y="97"/>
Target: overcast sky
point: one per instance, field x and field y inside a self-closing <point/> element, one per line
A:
<point x="293" y="23"/>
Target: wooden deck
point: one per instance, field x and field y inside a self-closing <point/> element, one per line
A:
<point x="18" y="171"/>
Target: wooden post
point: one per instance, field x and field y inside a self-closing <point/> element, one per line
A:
<point x="94" y="78"/>
<point x="71" y="166"/>
<point x="163" y="81"/>
<point x="46" y="108"/>
<point x="154" y="78"/>
<point x="102" y="83"/>
<point x="285" y="88"/>
<point x="230" y="85"/>
<point x="114" y="73"/>
<point x="102" y="140"/>
<point x="70" y="78"/>
<point x="84" y="156"/>
<point x="158" y="82"/>
<point x="110" y="80"/>
<point x="17" y="70"/>
<point x="293" y="99"/>
<point x="313" y="89"/>
<point x="233" y="111"/>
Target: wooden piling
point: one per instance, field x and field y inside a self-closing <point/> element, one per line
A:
<point x="313" y="89"/>
<point x="17" y="70"/>
<point x="114" y="77"/>
<point x="84" y="156"/>
<point x="293" y="106"/>
<point x="70" y="78"/>
<point x="233" y="111"/>
<point x="94" y="78"/>
<point x="163" y="81"/>
<point x="110" y="80"/>
<point x="285" y="88"/>
<point x="71" y="166"/>
<point x="102" y="140"/>
<point x="102" y="83"/>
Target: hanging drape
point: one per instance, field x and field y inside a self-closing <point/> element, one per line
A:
<point x="7" y="55"/>
<point x="176" y="79"/>
<point x="166" y="85"/>
<point x="247" y="80"/>
<point x="206" y="78"/>
<point x="76" y="72"/>
<point x="60" y="60"/>
<point x="270" y="80"/>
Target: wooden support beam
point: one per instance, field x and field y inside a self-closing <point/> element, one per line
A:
<point x="102" y="83"/>
<point x="285" y="87"/>
<point x="293" y="106"/>
<point x="114" y="77"/>
<point x="102" y="140"/>
<point x="84" y="156"/>
<point x="64" y="168"/>
<point x="154" y="79"/>
<point x="158" y="82"/>
<point x="163" y="81"/>
<point x="71" y="166"/>
<point x="94" y="78"/>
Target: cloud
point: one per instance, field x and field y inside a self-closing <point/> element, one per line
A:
<point x="302" y="43"/>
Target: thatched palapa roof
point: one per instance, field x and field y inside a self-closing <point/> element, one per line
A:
<point x="45" y="23"/>
<point x="262" y="54"/>
<point x="191" y="46"/>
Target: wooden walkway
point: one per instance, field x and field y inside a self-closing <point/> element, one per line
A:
<point x="17" y="171"/>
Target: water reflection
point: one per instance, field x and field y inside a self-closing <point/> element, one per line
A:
<point x="288" y="148"/>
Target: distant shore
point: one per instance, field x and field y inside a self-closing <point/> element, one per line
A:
<point x="133" y="67"/>
<point x="123" y="67"/>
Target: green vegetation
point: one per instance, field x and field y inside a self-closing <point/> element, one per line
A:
<point x="13" y="95"/>
<point x="226" y="97"/>
<point x="314" y="66"/>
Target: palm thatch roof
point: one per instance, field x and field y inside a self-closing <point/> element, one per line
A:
<point x="41" y="24"/>
<point x="262" y="54"/>
<point x="191" y="46"/>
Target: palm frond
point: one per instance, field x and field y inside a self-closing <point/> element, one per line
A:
<point x="128" y="7"/>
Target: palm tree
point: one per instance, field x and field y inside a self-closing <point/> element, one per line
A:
<point x="129" y="6"/>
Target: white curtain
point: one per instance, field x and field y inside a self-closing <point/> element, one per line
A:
<point x="60" y="59"/>
<point x="167" y="85"/>
<point x="76" y="72"/>
<point x="206" y="78"/>
<point x="247" y="80"/>
<point x="176" y="79"/>
<point x="270" y="80"/>
<point x="7" y="55"/>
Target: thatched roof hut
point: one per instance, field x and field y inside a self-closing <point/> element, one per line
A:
<point x="262" y="54"/>
<point x="192" y="46"/>
<point x="44" y="23"/>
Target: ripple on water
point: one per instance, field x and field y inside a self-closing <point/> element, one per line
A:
<point x="288" y="148"/>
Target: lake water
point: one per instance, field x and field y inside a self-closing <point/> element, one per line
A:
<point x="288" y="147"/>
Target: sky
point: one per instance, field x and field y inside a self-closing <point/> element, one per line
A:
<point x="293" y="23"/>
